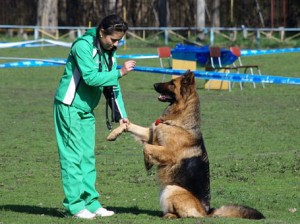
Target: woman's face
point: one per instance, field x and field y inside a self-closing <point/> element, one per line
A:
<point x="109" y="42"/>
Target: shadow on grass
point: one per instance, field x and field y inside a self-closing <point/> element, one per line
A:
<point x="30" y="209"/>
<point x="55" y="212"/>
<point x="135" y="211"/>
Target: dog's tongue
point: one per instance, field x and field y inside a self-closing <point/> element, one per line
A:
<point x="162" y="97"/>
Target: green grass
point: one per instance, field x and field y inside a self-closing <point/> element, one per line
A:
<point x="252" y="137"/>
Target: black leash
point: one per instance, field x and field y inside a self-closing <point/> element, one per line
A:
<point x="110" y="98"/>
<point x="108" y="91"/>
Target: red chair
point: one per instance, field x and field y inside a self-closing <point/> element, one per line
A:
<point x="164" y="54"/>
<point x="236" y="51"/>
<point x="215" y="53"/>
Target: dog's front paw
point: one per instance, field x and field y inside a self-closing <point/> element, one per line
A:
<point x="113" y="135"/>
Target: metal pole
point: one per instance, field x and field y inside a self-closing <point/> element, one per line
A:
<point x="166" y="36"/>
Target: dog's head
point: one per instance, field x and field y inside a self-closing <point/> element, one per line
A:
<point x="176" y="89"/>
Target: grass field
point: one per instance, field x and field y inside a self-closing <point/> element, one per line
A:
<point x="252" y="137"/>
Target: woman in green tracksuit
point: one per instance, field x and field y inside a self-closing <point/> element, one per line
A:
<point x="91" y="70"/>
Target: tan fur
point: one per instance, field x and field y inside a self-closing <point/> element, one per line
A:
<point x="177" y="202"/>
<point x="176" y="146"/>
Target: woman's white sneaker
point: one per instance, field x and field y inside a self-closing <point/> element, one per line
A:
<point x="103" y="212"/>
<point x="85" y="214"/>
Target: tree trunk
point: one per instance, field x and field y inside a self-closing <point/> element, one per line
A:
<point x="216" y="13"/>
<point x="163" y="13"/>
<point x="200" y="20"/>
<point x="47" y="15"/>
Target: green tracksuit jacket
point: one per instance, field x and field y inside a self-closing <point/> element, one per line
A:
<point x="82" y="84"/>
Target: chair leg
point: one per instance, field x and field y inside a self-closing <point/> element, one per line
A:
<point x="209" y="83"/>
<point x="229" y="86"/>
<point x="229" y="83"/>
<point x="263" y="85"/>
<point x="161" y="63"/>
<point x="251" y="70"/>
<point x="241" y="83"/>
<point x="162" y="66"/>
<point x="232" y="85"/>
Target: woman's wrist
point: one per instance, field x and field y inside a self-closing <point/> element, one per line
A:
<point x="120" y="73"/>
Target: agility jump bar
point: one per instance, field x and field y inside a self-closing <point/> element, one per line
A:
<point x="47" y="62"/>
<point x="31" y="62"/>
<point x="48" y="42"/>
<point x="232" y="77"/>
<point x="269" y="51"/>
<point x="36" y="62"/>
<point x="35" y="43"/>
<point x="42" y="43"/>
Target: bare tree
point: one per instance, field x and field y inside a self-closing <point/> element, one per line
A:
<point x="163" y="13"/>
<point x="216" y="13"/>
<point x="47" y="14"/>
<point x="200" y="20"/>
<point x="152" y="13"/>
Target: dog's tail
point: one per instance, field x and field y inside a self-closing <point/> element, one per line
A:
<point x="236" y="211"/>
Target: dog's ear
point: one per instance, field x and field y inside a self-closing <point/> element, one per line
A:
<point x="188" y="78"/>
<point x="187" y="83"/>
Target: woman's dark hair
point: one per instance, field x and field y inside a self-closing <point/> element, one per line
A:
<point x="111" y="24"/>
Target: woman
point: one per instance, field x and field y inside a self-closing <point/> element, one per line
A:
<point x="91" y="70"/>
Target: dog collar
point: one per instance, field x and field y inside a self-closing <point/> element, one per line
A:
<point x="157" y="122"/>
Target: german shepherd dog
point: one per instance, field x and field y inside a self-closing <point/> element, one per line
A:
<point x="174" y="143"/>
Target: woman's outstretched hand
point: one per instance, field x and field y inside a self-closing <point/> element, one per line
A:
<point x="127" y="67"/>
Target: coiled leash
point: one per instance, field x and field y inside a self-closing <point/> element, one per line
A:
<point x="110" y="97"/>
<point x="108" y="90"/>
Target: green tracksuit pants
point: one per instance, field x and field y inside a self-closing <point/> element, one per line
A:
<point x="75" y="136"/>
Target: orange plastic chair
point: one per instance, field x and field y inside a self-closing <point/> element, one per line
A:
<point x="164" y="54"/>
<point x="236" y="51"/>
<point x="215" y="52"/>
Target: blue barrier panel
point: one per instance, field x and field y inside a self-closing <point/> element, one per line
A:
<point x="201" y="54"/>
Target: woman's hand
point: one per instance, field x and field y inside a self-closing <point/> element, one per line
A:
<point x="124" y="121"/>
<point x="127" y="67"/>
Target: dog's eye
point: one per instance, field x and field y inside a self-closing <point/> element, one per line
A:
<point x="172" y="84"/>
<point x="172" y="87"/>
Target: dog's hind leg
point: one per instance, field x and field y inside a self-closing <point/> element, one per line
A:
<point x="177" y="202"/>
<point x="159" y="155"/>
